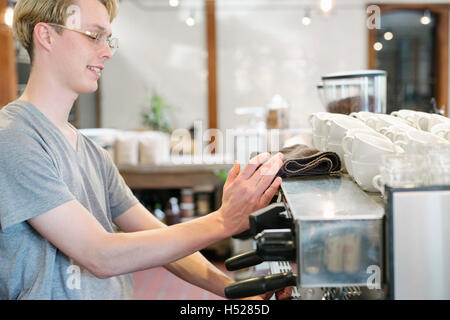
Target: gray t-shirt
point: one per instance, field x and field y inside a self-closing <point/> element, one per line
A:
<point x="39" y="171"/>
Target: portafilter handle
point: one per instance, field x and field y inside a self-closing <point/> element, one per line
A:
<point x="271" y="245"/>
<point x="243" y="260"/>
<point x="259" y="285"/>
<point x="269" y="217"/>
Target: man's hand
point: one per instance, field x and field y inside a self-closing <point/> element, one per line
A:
<point x="250" y="190"/>
<point x="283" y="294"/>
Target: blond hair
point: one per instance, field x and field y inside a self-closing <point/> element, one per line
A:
<point x="28" y="13"/>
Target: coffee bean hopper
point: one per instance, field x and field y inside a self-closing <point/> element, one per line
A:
<point x="353" y="91"/>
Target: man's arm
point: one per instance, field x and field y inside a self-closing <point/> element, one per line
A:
<point x="73" y="230"/>
<point x="195" y="268"/>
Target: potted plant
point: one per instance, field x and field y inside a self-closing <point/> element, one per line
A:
<point x="157" y="115"/>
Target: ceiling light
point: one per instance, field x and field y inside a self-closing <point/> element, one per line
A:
<point x="306" y="20"/>
<point x="426" y="18"/>
<point x="378" y="46"/>
<point x="326" y="5"/>
<point x="190" y="21"/>
<point x="388" y="35"/>
<point x="9" y="13"/>
<point x="174" y="3"/>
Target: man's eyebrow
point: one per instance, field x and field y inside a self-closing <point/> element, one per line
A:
<point x="98" y="27"/>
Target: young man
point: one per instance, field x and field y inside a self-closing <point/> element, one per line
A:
<point x="60" y="193"/>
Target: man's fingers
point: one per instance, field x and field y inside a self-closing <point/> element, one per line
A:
<point x="233" y="173"/>
<point x="267" y="173"/>
<point x="253" y="164"/>
<point x="271" y="167"/>
<point x="268" y="170"/>
<point x="284" y="294"/>
<point x="270" y="192"/>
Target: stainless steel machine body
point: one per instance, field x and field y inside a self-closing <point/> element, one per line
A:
<point x="339" y="232"/>
<point x="331" y="240"/>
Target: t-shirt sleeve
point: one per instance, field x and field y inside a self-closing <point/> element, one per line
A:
<point x="121" y="198"/>
<point x="30" y="183"/>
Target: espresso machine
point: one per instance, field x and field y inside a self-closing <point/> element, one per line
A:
<point x="330" y="240"/>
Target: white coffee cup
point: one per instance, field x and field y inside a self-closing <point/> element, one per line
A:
<point x="366" y="147"/>
<point x="318" y="124"/>
<point x="420" y="120"/>
<point x="393" y="132"/>
<point x="441" y="130"/>
<point x="337" y="148"/>
<point x="439" y="165"/>
<point x="348" y="163"/>
<point x="338" y="127"/>
<point x="416" y="141"/>
<point x="364" y="172"/>
<point x="403" y="113"/>
<point x="319" y="142"/>
<point x="378" y="183"/>
<point x="366" y="130"/>
<point x="362" y="115"/>
<point x="405" y="170"/>
<point x="436" y="119"/>
<point x="379" y="121"/>
<point x="318" y="121"/>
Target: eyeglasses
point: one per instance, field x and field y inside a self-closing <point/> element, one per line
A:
<point x="99" y="38"/>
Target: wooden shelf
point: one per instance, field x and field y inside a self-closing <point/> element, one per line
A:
<point x="172" y="176"/>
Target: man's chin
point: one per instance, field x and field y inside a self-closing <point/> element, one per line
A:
<point x="87" y="90"/>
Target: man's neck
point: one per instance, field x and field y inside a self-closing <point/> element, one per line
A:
<point x="50" y="97"/>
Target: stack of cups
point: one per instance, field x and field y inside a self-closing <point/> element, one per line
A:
<point x="378" y="121"/>
<point x="336" y="129"/>
<point x="363" y="152"/>
<point x="318" y="123"/>
<point x="423" y="164"/>
<point x="412" y="147"/>
<point x="441" y="130"/>
<point x="330" y="128"/>
<point x="420" y="120"/>
<point x="400" y="171"/>
<point x="439" y="165"/>
<point x="418" y="142"/>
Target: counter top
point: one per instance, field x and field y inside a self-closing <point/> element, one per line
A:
<point x="330" y="198"/>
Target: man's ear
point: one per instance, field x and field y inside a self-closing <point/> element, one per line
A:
<point x="42" y="36"/>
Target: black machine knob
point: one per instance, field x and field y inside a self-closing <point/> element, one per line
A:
<point x="274" y="216"/>
<point x="276" y="245"/>
<point x="272" y="245"/>
<point x="259" y="285"/>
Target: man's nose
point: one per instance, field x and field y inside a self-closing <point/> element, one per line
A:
<point x="106" y="51"/>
